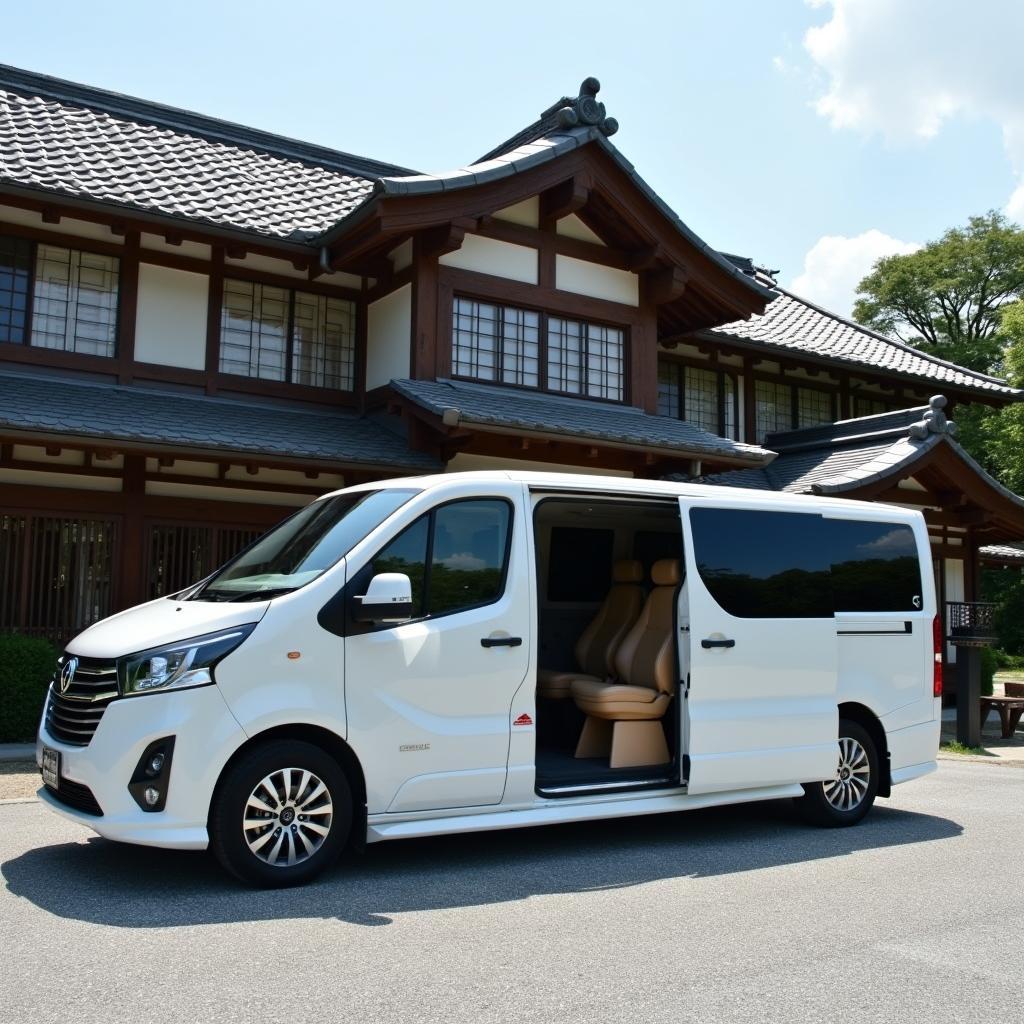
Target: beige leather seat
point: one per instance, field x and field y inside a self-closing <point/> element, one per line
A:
<point x="598" y="643"/>
<point x="624" y="716"/>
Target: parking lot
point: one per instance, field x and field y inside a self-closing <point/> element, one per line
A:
<point x="734" y="914"/>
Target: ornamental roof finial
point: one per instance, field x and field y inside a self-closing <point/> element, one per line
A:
<point x="934" y="420"/>
<point x="586" y="109"/>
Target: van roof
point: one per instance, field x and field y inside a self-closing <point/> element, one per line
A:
<point x="575" y="482"/>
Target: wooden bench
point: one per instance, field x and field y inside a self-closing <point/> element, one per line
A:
<point x="1010" y="709"/>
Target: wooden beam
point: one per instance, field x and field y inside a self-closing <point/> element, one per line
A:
<point x="666" y="285"/>
<point x="566" y="198"/>
<point x="445" y="237"/>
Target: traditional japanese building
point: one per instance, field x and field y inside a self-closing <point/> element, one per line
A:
<point x="202" y="326"/>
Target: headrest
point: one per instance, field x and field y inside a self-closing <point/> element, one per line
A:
<point x="665" y="572"/>
<point x="627" y="570"/>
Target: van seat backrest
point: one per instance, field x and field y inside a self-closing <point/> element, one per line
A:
<point x="597" y="644"/>
<point x="647" y="654"/>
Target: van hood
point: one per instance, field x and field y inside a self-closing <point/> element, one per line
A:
<point x="163" y="621"/>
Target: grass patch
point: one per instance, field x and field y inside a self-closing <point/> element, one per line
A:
<point x="1014" y="675"/>
<point x="956" y="747"/>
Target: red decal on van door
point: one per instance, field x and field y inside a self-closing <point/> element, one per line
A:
<point x="523" y="719"/>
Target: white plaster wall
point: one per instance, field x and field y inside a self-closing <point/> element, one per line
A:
<point x="489" y="256"/>
<point x="33" y="453"/>
<point x="65" y="481"/>
<point x="184" y="467"/>
<point x="465" y="462"/>
<point x="573" y="275"/>
<point x="401" y="256"/>
<point x="67" y="225"/>
<point x="389" y="337"/>
<point x="167" y="489"/>
<point x="170" y="324"/>
<point x="573" y="227"/>
<point x="197" y="250"/>
<point x="526" y="213"/>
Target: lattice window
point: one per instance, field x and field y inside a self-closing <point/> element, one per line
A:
<point x="814" y="407"/>
<point x="774" y="407"/>
<point x="74" y="301"/>
<point x="704" y="397"/>
<point x="866" y="406"/>
<point x="324" y="342"/>
<point x="15" y="277"/>
<point x="280" y="334"/>
<point x="184" y="553"/>
<point x="56" y="573"/>
<point x="518" y="346"/>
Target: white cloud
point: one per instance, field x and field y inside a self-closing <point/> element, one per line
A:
<point x="903" y="69"/>
<point x="835" y="265"/>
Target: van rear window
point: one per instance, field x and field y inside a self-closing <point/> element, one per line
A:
<point x="799" y="565"/>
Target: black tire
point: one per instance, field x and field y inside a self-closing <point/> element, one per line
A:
<point x="817" y="807"/>
<point x="275" y="761"/>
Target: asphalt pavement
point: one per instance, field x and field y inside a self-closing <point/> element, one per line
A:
<point x="733" y="914"/>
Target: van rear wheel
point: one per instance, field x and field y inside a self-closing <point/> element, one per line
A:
<point x="281" y="815"/>
<point x="848" y="796"/>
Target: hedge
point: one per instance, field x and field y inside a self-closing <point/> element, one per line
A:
<point x="26" y="668"/>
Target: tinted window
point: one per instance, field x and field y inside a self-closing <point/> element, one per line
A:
<point x="580" y="566"/>
<point x="763" y="565"/>
<point x="874" y="566"/>
<point x="406" y="553"/>
<point x="455" y="557"/>
<point x="650" y="546"/>
<point x="467" y="562"/>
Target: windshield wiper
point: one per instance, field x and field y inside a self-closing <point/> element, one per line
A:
<point x="263" y="595"/>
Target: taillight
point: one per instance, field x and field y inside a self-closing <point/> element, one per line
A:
<point x="937" y="650"/>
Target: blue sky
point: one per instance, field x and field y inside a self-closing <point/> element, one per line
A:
<point x="885" y="125"/>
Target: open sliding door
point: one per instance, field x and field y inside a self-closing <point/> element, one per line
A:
<point x="761" y="704"/>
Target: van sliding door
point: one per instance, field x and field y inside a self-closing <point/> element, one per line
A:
<point x="761" y="705"/>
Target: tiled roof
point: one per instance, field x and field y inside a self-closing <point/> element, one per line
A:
<point x="85" y="143"/>
<point x="494" y="405"/>
<point x="794" y="324"/>
<point x="166" y="419"/>
<point x="1010" y="553"/>
<point x="840" y="458"/>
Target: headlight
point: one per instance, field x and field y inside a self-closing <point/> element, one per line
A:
<point x="180" y="665"/>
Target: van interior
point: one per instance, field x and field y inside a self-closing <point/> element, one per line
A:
<point x="609" y="576"/>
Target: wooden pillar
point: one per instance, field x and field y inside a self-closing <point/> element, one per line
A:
<point x="429" y="357"/>
<point x="643" y="353"/>
<point x="968" y="696"/>
<point x="213" y="314"/>
<point x="131" y="571"/>
<point x="127" y="306"/>
<point x="749" y="402"/>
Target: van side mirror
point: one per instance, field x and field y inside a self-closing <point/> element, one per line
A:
<point x="388" y="598"/>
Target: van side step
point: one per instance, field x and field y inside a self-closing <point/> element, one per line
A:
<point x="381" y="826"/>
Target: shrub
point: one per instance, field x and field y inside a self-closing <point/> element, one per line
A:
<point x="26" y="667"/>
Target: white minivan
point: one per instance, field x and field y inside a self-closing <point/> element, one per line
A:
<point x="485" y="650"/>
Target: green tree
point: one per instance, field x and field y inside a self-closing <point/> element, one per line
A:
<point x="947" y="298"/>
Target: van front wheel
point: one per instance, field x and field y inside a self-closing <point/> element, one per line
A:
<point x="281" y="815"/>
<point x="848" y="796"/>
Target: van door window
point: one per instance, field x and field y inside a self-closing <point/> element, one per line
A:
<point x="455" y="556"/>
<point x="469" y="554"/>
<point x="763" y="565"/>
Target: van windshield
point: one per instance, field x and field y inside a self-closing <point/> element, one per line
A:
<point x="301" y="548"/>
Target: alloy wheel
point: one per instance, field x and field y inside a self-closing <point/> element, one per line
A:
<point x="853" y="776"/>
<point x="287" y="817"/>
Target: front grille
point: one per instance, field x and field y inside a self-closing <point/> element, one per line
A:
<point x="75" y="795"/>
<point x="73" y="715"/>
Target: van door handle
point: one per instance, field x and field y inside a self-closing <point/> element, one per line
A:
<point x="707" y="644"/>
<point x="501" y="641"/>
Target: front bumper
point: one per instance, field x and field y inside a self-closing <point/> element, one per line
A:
<point x="206" y="736"/>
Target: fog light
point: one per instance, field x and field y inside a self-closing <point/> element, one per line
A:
<point x="152" y="776"/>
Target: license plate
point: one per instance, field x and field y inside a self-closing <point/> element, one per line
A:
<point x="51" y="768"/>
